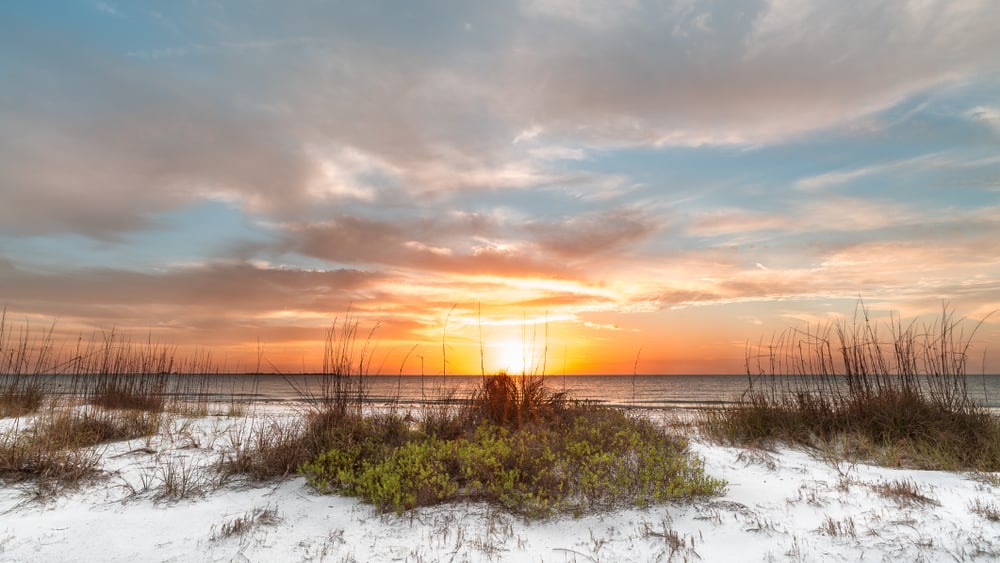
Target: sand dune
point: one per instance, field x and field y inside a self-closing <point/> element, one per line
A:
<point x="782" y="505"/>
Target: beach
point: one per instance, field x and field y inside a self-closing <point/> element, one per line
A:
<point x="159" y="499"/>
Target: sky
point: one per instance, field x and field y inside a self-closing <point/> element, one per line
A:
<point x="574" y="186"/>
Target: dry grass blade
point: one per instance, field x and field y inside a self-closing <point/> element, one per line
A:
<point x="988" y="510"/>
<point x="245" y="523"/>
<point x="904" y="491"/>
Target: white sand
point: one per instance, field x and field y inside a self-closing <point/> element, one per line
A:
<point x="780" y="506"/>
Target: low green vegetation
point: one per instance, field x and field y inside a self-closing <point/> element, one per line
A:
<point x="514" y="444"/>
<point x="898" y="402"/>
<point x="529" y="451"/>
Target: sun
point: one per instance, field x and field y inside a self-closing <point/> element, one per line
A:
<point x="509" y="357"/>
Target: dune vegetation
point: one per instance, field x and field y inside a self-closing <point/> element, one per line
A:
<point x="840" y="390"/>
<point x="515" y="443"/>
<point x="848" y="391"/>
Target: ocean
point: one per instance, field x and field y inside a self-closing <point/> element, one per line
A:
<point x="644" y="391"/>
<point x="641" y="391"/>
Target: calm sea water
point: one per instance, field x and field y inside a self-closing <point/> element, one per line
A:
<point x="674" y="391"/>
<point x="644" y="391"/>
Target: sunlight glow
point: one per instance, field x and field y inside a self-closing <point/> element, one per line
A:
<point x="510" y="357"/>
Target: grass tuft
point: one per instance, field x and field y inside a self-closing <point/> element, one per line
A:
<point x="988" y="510"/>
<point x="245" y="523"/>
<point x="904" y="491"/>
<point x="180" y="479"/>
<point x="837" y="528"/>
<point x="513" y="402"/>
<point x="143" y="391"/>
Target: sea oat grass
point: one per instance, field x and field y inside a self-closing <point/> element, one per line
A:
<point x="20" y="396"/>
<point x="265" y="450"/>
<point x="332" y="418"/>
<point x="514" y="401"/>
<point x="141" y="391"/>
<point x="180" y="478"/>
<point x="23" y="459"/>
<point x="901" y="402"/>
<point x="89" y="427"/>
<point x="57" y="446"/>
<point x="107" y="370"/>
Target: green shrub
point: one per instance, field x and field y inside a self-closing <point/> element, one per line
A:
<point x="595" y="459"/>
<point x="273" y="450"/>
<point x="414" y="474"/>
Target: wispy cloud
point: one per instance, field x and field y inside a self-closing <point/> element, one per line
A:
<point x="829" y="179"/>
<point x="107" y="8"/>
<point x="988" y="115"/>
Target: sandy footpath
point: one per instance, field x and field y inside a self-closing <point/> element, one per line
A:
<point x="779" y="506"/>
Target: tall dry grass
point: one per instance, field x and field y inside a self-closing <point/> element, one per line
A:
<point x="68" y="398"/>
<point x="56" y="447"/>
<point x="21" y="387"/>
<point x="105" y="369"/>
<point x="514" y="401"/>
<point x="897" y="394"/>
<point x="334" y="401"/>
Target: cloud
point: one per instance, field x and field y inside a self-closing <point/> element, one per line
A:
<point x="988" y="115"/>
<point x="596" y="326"/>
<point x="229" y="304"/>
<point x="593" y="235"/>
<point x="833" y="216"/>
<point x="214" y="286"/>
<point x="471" y="245"/>
<point x="107" y="8"/>
<point x="114" y="143"/>
<point x="760" y="74"/>
<point x="342" y="108"/>
<point x="593" y="14"/>
<point x="826" y="180"/>
<point x="734" y="221"/>
<point x="556" y="246"/>
<point x="925" y="258"/>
